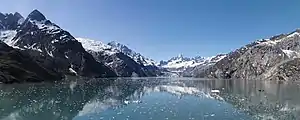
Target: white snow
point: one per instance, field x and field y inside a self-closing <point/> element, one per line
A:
<point x="32" y="47"/>
<point x="219" y="58"/>
<point x="49" y="52"/>
<point x="96" y="46"/>
<point x="49" y="28"/>
<point x="54" y="41"/>
<point x="294" y="34"/>
<point x="180" y="62"/>
<point x="126" y="102"/>
<point x="63" y="36"/>
<point x="215" y="91"/>
<point x="137" y="57"/>
<point x="42" y="25"/>
<point x="72" y="70"/>
<point x="274" y="42"/>
<point x="290" y="53"/>
<point x="7" y="37"/>
<point x="20" y="21"/>
<point x="268" y="42"/>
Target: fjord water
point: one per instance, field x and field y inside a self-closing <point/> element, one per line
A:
<point x="150" y="99"/>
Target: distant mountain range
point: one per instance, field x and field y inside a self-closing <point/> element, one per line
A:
<point x="34" y="49"/>
<point x="185" y="66"/>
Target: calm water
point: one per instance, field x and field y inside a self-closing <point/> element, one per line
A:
<point x="151" y="99"/>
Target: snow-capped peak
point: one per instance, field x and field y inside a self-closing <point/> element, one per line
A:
<point x="181" y="62"/>
<point x="295" y="33"/>
<point x="132" y="54"/>
<point x="97" y="46"/>
<point x="36" y="15"/>
<point x="123" y="48"/>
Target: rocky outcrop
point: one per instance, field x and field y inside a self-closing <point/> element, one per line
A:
<point x="193" y="71"/>
<point x="51" y="46"/>
<point x="10" y="21"/>
<point x="265" y="59"/>
<point x="38" y="33"/>
<point x="19" y="66"/>
<point x="121" y="64"/>
<point x="149" y="65"/>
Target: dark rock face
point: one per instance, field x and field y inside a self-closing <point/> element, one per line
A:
<point x="189" y="67"/>
<point x="148" y="65"/>
<point x="49" y="46"/>
<point x="273" y="58"/>
<point x="194" y="71"/>
<point x="19" y="66"/>
<point x="36" y="15"/>
<point x="121" y="64"/>
<point x="39" y="34"/>
<point x="288" y="70"/>
<point x="10" y="21"/>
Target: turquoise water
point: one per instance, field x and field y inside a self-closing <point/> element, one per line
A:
<point x="150" y="99"/>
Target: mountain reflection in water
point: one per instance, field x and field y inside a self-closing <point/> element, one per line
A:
<point x="150" y="98"/>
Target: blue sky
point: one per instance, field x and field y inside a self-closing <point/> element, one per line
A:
<point x="161" y="29"/>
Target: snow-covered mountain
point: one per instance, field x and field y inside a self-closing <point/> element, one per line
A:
<point x="149" y="64"/>
<point x="180" y="64"/>
<point x="49" y="46"/>
<point x="123" y="65"/>
<point x="134" y="55"/>
<point x="97" y="46"/>
<point x="275" y="58"/>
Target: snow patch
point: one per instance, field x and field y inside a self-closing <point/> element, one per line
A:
<point x="181" y="62"/>
<point x="63" y="36"/>
<point x="7" y="37"/>
<point x="137" y="57"/>
<point x="54" y="41"/>
<point x="291" y="54"/>
<point x="32" y="47"/>
<point x="72" y="70"/>
<point x="49" y="52"/>
<point x="294" y="34"/>
<point x="96" y="46"/>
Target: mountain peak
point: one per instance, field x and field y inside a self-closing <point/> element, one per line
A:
<point x="298" y="30"/>
<point x="117" y="44"/>
<point x="36" y="15"/>
<point x="16" y="14"/>
<point x="132" y="54"/>
<point x="180" y="56"/>
<point x="121" y="47"/>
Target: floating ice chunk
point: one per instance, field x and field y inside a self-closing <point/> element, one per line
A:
<point x="136" y="101"/>
<point x="215" y="91"/>
<point x="126" y="102"/>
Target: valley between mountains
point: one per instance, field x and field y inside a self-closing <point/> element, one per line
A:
<point x="34" y="49"/>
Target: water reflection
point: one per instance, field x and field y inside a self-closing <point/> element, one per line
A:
<point x="123" y="97"/>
